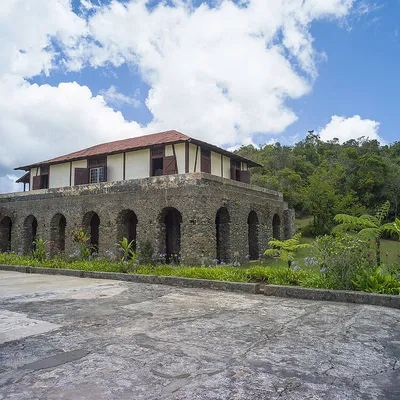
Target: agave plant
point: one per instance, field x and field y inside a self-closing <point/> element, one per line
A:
<point x="367" y="226"/>
<point x="286" y="249"/>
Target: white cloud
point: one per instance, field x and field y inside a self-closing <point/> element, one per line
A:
<point x="228" y="70"/>
<point x="27" y="32"/>
<point x="345" y="129"/>
<point x="42" y="122"/>
<point x="218" y="74"/>
<point x="8" y="185"/>
<point x="113" y="97"/>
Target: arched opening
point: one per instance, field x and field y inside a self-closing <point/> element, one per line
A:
<point x="57" y="234"/>
<point x="126" y="227"/>
<point x="30" y="233"/>
<point x="222" y="222"/>
<point x="276" y="227"/>
<point x="91" y="225"/>
<point x="5" y="234"/>
<point x="171" y="220"/>
<point x="252" y="221"/>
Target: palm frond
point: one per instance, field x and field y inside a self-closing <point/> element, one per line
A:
<point x="383" y="211"/>
<point x="345" y="228"/>
<point x="347" y="219"/>
<point x="393" y="227"/>
<point x="370" y="233"/>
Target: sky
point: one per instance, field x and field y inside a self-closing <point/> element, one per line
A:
<point x="75" y="73"/>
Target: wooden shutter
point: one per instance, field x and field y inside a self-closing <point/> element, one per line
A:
<point x="169" y="165"/>
<point x="245" y="176"/>
<point x="233" y="172"/>
<point x="37" y="182"/>
<point x="81" y="176"/>
<point x="205" y="161"/>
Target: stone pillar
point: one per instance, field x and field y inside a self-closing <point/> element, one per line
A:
<point x="197" y="237"/>
<point x="289" y="223"/>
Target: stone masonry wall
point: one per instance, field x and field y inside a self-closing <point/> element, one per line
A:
<point x="197" y="196"/>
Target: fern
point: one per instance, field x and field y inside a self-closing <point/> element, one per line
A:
<point x="367" y="226"/>
<point x="286" y="249"/>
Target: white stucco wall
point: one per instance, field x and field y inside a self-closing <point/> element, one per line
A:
<point x="227" y="167"/>
<point x="215" y="164"/>
<point x="115" y="165"/>
<point x="168" y="150"/>
<point x="192" y="157"/>
<point x="137" y="164"/>
<point x="180" y="157"/>
<point x="77" y="164"/>
<point x="59" y="175"/>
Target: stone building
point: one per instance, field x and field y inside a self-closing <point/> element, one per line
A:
<point x="185" y="196"/>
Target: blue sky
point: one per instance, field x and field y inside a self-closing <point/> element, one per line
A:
<point x="81" y="72"/>
<point x="361" y="74"/>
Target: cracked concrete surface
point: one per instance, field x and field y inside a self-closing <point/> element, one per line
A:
<point x="118" y="340"/>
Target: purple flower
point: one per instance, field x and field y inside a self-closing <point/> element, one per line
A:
<point x="322" y="270"/>
<point x="248" y="257"/>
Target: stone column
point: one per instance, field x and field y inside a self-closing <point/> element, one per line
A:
<point x="289" y="223"/>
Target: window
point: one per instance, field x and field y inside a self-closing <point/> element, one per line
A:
<point x="97" y="175"/>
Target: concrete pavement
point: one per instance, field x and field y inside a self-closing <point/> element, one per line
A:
<point x="72" y="338"/>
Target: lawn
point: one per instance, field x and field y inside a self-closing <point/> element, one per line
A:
<point x="390" y="250"/>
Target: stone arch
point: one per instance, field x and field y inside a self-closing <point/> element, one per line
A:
<point x="30" y="233"/>
<point x="5" y="234"/>
<point x="126" y="226"/>
<point x="170" y="221"/>
<point x="254" y="248"/>
<point x="222" y="234"/>
<point x="276" y="227"/>
<point x="91" y="225"/>
<point x="57" y="234"/>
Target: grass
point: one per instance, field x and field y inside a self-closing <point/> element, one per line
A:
<point x="258" y="273"/>
<point x="272" y="271"/>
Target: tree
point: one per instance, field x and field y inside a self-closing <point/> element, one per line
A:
<point x="286" y="249"/>
<point x="367" y="226"/>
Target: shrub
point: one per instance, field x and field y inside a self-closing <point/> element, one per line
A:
<point x="341" y="258"/>
<point x="39" y="252"/>
<point x="84" y="251"/>
<point x="377" y="282"/>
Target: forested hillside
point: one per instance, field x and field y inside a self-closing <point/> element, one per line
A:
<point x="322" y="179"/>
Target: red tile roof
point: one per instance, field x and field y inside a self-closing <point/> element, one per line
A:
<point x="135" y="143"/>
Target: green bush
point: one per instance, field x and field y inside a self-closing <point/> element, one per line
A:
<point x="376" y="282"/>
<point x="341" y="258"/>
<point x="39" y="252"/>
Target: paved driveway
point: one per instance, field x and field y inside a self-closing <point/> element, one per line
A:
<point x="72" y="338"/>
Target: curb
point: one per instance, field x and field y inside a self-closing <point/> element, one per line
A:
<point x="344" y="296"/>
<point x="253" y="288"/>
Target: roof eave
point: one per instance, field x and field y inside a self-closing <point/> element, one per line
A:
<point x="50" y="162"/>
<point x="217" y="149"/>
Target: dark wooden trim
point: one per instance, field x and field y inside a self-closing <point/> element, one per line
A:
<point x="195" y="160"/>
<point x="124" y="167"/>
<point x="176" y="161"/>
<point x="70" y="173"/>
<point x="187" y="157"/>
<point x="156" y="156"/>
<point x="222" y="165"/>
